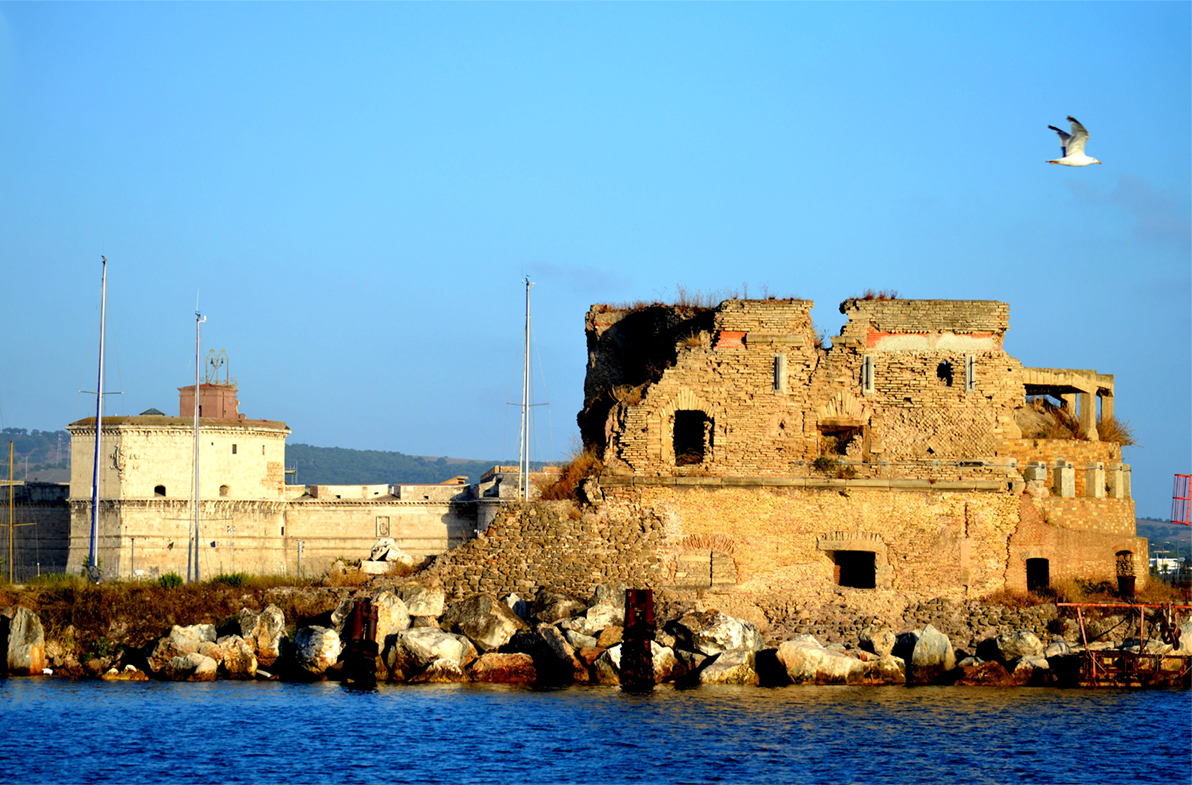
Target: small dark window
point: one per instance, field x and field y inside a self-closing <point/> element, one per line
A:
<point x="1038" y="574"/>
<point x="233" y="449"/>
<point x="944" y="372"/>
<point x="856" y="569"/>
<point x="159" y="490"/>
<point x="223" y="490"/>
<point x="693" y="436"/>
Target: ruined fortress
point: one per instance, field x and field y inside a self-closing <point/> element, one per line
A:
<point x="739" y="454"/>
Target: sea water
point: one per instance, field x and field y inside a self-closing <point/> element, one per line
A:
<point x="54" y="730"/>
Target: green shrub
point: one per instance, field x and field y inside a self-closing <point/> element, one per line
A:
<point x="171" y="580"/>
<point x="233" y="579"/>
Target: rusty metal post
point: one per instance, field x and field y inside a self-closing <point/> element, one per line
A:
<point x="637" y="658"/>
<point x="360" y="659"/>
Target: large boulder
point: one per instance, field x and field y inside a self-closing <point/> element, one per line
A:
<point x="519" y="606"/>
<point x="735" y="666"/>
<point x="195" y="639"/>
<point x="26" y="655"/>
<point x="549" y="606"/>
<point x="928" y="654"/>
<point x="1185" y="639"/>
<point x="1020" y="643"/>
<point x="712" y="632"/>
<point x="487" y="621"/>
<point x="393" y="615"/>
<point x="189" y="667"/>
<point x="422" y="600"/>
<point x="409" y="652"/>
<point x="316" y="649"/>
<point x="238" y="660"/>
<point x="880" y="642"/>
<point x="441" y="671"/>
<point x="561" y="662"/>
<point x="496" y="668"/>
<point x="984" y="674"/>
<point x="264" y="632"/>
<point x="606" y="608"/>
<point x="607" y="666"/>
<point x="806" y="662"/>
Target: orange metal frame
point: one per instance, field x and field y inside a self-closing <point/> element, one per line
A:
<point x="1181" y="499"/>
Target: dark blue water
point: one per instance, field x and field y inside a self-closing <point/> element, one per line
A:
<point x="60" y="731"/>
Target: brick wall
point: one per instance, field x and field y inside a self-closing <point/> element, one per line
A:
<point x="1079" y="453"/>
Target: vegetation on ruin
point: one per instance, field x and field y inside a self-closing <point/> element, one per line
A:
<point x="1085" y="591"/>
<point x="582" y="464"/>
<point x="880" y="294"/>
<point x="1042" y="419"/>
<point x="693" y="299"/>
<point x="1111" y="429"/>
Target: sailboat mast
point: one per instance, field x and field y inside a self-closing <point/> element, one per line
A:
<point x="523" y="462"/>
<point x="93" y="554"/>
<point x="192" y="566"/>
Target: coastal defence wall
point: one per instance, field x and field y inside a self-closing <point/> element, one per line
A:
<point x="780" y="548"/>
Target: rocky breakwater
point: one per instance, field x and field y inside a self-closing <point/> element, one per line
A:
<point x="557" y="639"/>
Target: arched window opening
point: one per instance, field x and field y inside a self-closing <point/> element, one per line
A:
<point x="159" y="490"/>
<point x="223" y="490"/>
<point x="943" y="372"/>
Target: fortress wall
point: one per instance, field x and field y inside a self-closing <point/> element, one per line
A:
<point x="1084" y="552"/>
<point x="350" y="529"/>
<point x="1079" y="453"/>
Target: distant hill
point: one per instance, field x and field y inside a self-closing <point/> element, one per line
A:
<point x="340" y="466"/>
<point x="1166" y="538"/>
<point x="44" y="456"/>
<point x="37" y="455"/>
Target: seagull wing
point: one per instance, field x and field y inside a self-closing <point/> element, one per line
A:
<point x="1080" y="135"/>
<point x="1063" y="140"/>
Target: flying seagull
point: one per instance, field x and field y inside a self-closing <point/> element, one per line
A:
<point x="1073" y="145"/>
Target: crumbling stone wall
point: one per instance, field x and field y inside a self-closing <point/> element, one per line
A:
<point x="554" y="545"/>
<point x="891" y="391"/>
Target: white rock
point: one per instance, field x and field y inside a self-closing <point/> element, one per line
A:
<point x="316" y="649"/>
<point x="734" y="666"/>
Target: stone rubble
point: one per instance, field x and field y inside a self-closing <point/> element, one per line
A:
<point x="566" y="640"/>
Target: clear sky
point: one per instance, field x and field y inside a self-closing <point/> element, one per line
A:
<point x="354" y="192"/>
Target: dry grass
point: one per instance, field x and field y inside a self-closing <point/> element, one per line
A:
<point x="630" y="395"/>
<point x="1111" y="429"/>
<point x="1042" y="419"/>
<point x="880" y="294"/>
<point x="1083" y="591"/>
<point x="582" y="465"/>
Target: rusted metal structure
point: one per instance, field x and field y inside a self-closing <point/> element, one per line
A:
<point x="637" y="658"/>
<point x="360" y="659"/>
<point x="1120" y="668"/>
<point x="1181" y="500"/>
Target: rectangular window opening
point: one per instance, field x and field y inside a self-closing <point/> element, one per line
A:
<point x="855" y="569"/>
<point x="692" y="437"/>
<point x="1038" y="574"/>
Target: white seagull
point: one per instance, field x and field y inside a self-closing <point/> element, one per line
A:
<point x="1073" y="145"/>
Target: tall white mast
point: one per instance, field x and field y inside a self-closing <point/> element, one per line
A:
<point x="93" y="555"/>
<point x="192" y="563"/>
<point x="523" y="462"/>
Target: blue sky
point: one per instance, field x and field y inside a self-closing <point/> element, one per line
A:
<point x="355" y="191"/>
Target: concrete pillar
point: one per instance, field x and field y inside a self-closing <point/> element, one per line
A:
<point x="1088" y="416"/>
<point x="1064" y="480"/>
<point x="1106" y="407"/>
<point x="1114" y="482"/>
<point x="1036" y="471"/>
<point x="1094" y="480"/>
<point x="1068" y="403"/>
